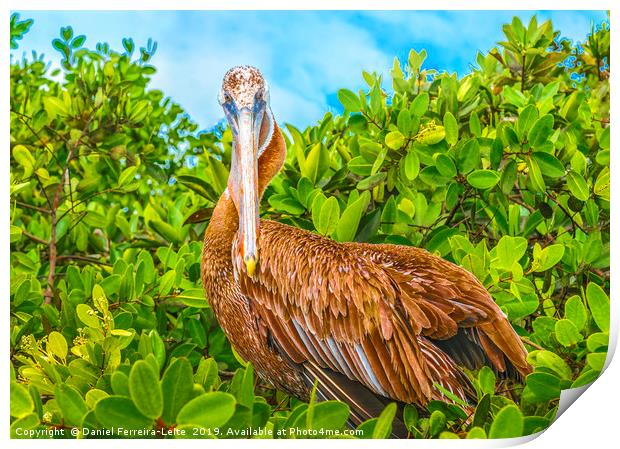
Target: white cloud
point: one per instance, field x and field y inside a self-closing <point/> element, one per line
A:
<point x="305" y="55"/>
<point x="303" y="58"/>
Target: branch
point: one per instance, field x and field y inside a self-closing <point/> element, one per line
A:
<point x="30" y="206"/>
<point x="23" y="118"/>
<point x="34" y="238"/>
<point x="568" y="214"/>
<point x="461" y="200"/>
<point x="523" y="73"/>
<point x="90" y="259"/>
<point x="84" y="200"/>
<point x="527" y="341"/>
<point x="64" y="180"/>
<point x="371" y="120"/>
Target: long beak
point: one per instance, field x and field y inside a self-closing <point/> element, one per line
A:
<point x="245" y="165"/>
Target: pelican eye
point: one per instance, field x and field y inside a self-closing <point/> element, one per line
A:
<point x="225" y="98"/>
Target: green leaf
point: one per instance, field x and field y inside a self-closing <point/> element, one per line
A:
<point x="208" y="410"/>
<point x="330" y="415"/>
<point x="533" y="424"/>
<point x="193" y="297"/>
<point x="548" y="258"/>
<point x="567" y="333"/>
<point x="23" y="157"/>
<point x="349" y="100"/>
<point x="118" y="411"/>
<point x="431" y="135"/>
<point x="317" y="204"/>
<point x="578" y="186"/>
<point x="445" y="165"/>
<point x="512" y="139"/>
<point x="20" y="401"/>
<point x="405" y="123"/>
<point x="166" y="282"/>
<point x="509" y="250"/>
<point x="431" y="176"/>
<point x="597" y="341"/>
<point x="57" y="345"/>
<point x="603" y="138"/>
<point x="167" y="231"/>
<point x="88" y="316"/>
<point x="311" y="168"/>
<point x="99" y="299"/>
<point x="474" y="125"/>
<point x="127" y="176"/>
<point x="436" y="423"/>
<point x="350" y="219"/>
<point x="93" y="396"/>
<point x="575" y="311"/>
<point x="554" y="362"/>
<point x="452" y="128"/>
<point x="176" y="385"/>
<point x="482" y="410"/>
<point x="449" y="395"/>
<point x="410" y="417"/>
<point x="486" y="380"/>
<point x="198" y="185"/>
<point x="419" y="105"/>
<point x="78" y="41"/>
<point x="541" y="131"/>
<point x="596" y="360"/>
<point x="587" y="376"/>
<point x="476" y="433"/>
<point x="468" y="156"/>
<point x="371" y="181"/>
<point x="145" y="389"/>
<point x="329" y="216"/>
<point x="286" y="203"/>
<point x="535" y="175"/>
<point x="120" y="383"/>
<point x="602" y="184"/>
<point x="598" y="303"/>
<point x="543" y="386"/>
<point x="394" y="140"/>
<point x="376" y="166"/>
<point x="71" y="404"/>
<point x="360" y="166"/>
<point x="508" y="423"/>
<point x="27" y="422"/>
<point x="108" y="69"/>
<point x="139" y="111"/>
<point x="55" y="106"/>
<point x="412" y="165"/>
<point x="483" y="179"/>
<point x="66" y="33"/>
<point x="383" y="427"/>
<point x="15" y="233"/>
<point x="549" y="165"/>
<point x="527" y="118"/>
<point x="159" y="349"/>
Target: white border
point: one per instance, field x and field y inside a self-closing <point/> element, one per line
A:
<point x="592" y="421"/>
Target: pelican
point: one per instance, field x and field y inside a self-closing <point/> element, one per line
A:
<point x="369" y="323"/>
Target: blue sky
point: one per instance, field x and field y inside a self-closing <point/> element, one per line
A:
<point x="306" y="56"/>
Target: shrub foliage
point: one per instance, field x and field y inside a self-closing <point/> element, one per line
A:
<point x="504" y="171"/>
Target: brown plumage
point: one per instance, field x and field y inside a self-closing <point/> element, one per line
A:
<point x="372" y="323"/>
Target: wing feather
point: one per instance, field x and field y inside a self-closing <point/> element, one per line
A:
<point x="372" y="312"/>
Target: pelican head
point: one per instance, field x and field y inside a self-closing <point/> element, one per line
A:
<point x="245" y="100"/>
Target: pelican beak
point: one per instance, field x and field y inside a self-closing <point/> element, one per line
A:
<point x="244" y="173"/>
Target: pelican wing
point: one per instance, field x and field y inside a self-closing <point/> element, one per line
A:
<point x="375" y="313"/>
